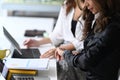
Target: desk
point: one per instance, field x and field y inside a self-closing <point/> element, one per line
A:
<point x="17" y="25"/>
<point x="52" y="72"/>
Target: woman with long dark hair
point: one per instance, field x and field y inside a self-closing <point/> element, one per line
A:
<point x="100" y="58"/>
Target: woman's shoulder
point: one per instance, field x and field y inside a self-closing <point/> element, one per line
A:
<point x="64" y="10"/>
<point x="64" y="6"/>
<point x="115" y="19"/>
<point x="114" y="22"/>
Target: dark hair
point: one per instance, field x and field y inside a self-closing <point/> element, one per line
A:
<point x="107" y="8"/>
<point x="88" y="18"/>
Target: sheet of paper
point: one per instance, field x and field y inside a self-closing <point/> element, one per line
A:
<point x="4" y="72"/>
<point x="1" y="77"/>
<point x="35" y="64"/>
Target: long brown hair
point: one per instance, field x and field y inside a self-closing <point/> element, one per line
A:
<point x="107" y="8"/>
<point x="88" y="18"/>
<point x="69" y="5"/>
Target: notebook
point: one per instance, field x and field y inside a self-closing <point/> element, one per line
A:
<point x="18" y="52"/>
<point x="29" y="64"/>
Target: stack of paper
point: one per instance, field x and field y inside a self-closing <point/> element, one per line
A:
<point x="34" y="64"/>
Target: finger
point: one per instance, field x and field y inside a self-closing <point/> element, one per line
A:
<point x="56" y="52"/>
<point x="44" y="56"/>
<point x="57" y="56"/>
<point x="27" y="44"/>
<point x="75" y="52"/>
<point x="48" y="54"/>
<point x="51" y="57"/>
<point x="60" y="51"/>
<point x="27" y="41"/>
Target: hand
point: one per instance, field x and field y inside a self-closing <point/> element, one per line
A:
<point x="75" y="52"/>
<point x="31" y="43"/>
<point x="59" y="54"/>
<point x="68" y="46"/>
<point x="49" y="54"/>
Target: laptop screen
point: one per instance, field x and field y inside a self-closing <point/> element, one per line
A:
<point x="12" y="40"/>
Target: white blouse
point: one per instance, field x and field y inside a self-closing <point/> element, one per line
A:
<point x="62" y="32"/>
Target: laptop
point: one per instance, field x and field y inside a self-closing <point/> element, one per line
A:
<point x="18" y="52"/>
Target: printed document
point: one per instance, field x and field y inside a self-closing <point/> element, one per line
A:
<point x="1" y="77"/>
<point x="34" y="64"/>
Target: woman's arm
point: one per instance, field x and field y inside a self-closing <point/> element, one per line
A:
<point x="68" y="46"/>
<point x="56" y="36"/>
<point x="36" y="43"/>
<point x="102" y="45"/>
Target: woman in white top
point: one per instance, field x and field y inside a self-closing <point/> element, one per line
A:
<point x="68" y="29"/>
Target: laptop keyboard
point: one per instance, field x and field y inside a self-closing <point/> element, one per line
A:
<point x="27" y="53"/>
<point x="25" y="78"/>
<point x="32" y="52"/>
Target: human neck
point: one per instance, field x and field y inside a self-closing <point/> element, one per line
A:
<point x="77" y="13"/>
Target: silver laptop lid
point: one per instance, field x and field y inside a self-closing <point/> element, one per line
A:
<point x="12" y="40"/>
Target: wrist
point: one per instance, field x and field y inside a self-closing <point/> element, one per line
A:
<point x="39" y="42"/>
<point x="62" y="49"/>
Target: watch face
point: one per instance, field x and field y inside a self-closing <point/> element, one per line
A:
<point x="1" y="77"/>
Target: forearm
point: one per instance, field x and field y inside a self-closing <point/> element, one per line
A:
<point x="44" y="41"/>
<point x="69" y="46"/>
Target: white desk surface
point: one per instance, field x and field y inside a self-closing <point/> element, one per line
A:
<point x="17" y="26"/>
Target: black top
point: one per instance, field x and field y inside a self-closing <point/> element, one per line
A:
<point x="100" y="57"/>
<point x="73" y="28"/>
